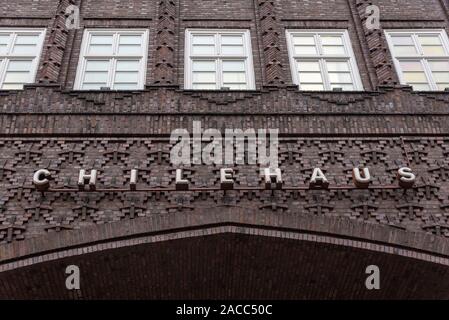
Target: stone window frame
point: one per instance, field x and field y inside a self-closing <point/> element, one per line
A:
<point x="143" y="57"/>
<point x="349" y="56"/>
<point x="35" y="56"/>
<point x="420" y="55"/>
<point x="247" y="56"/>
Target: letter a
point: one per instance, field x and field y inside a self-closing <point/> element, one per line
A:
<point x="73" y="280"/>
<point x="373" y="281"/>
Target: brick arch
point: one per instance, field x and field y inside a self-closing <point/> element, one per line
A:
<point x="217" y="220"/>
<point x="253" y="255"/>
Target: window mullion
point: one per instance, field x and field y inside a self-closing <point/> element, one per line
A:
<point x="429" y="74"/>
<point x="219" y="68"/>
<point x="325" y="74"/>
<point x="12" y="44"/>
<point x="112" y="72"/>
<point x="319" y="44"/>
<point x="115" y="42"/>
<point x="417" y="44"/>
<point x="3" y="65"/>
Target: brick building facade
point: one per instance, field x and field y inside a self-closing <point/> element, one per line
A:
<point x="249" y="243"/>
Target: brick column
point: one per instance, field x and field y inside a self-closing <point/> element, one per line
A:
<point x="165" y="41"/>
<point x="270" y="33"/>
<point x="56" y="43"/>
<point x="378" y="48"/>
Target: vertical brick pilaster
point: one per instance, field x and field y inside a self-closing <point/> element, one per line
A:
<point x="55" y="45"/>
<point x="165" y="43"/>
<point x="378" y="48"/>
<point x="270" y="32"/>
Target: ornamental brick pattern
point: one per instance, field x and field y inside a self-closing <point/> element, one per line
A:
<point x="165" y="41"/>
<point x="271" y="35"/>
<point x="27" y="213"/>
<point x="378" y="48"/>
<point x="386" y="126"/>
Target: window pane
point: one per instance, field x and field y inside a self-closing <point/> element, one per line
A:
<point x="97" y="65"/>
<point x="232" y="40"/>
<point x="429" y="40"/>
<point x="433" y="50"/>
<point x="206" y="39"/>
<point x="304" y="40"/>
<point x="20" y="65"/>
<point x="232" y="50"/>
<point x="26" y="39"/>
<point x="96" y="77"/>
<point x="17" y="77"/>
<point x="3" y="49"/>
<point x="305" y="66"/>
<point x="131" y="39"/>
<point x="234" y="77"/>
<point x="439" y="65"/>
<point x="334" y="50"/>
<point x="25" y="49"/>
<point x="100" y="49"/>
<point x="304" y="50"/>
<point x="310" y="77"/>
<point x="340" y="77"/>
<point x="128" y="65"/>
<point x="130" y="49"/>
<point x="125" y="86"/>
<point x="332" y="40"/>
<point x="130" y="45"/>
<point x="203" y="65"/>
<point x="443" y="86"/>
<point x="4" y="39"/>
<point x="415" y="77"/>
<point x="441" y="77"/>
<point x="101" y="45"/>
<point x="421" y="87"/>
<point x="333" y="66"/>
<point x="402" y="40"/>
<point x="411" y="66"/>
<point x="312" y="87"/>
<point x="204" y="77"/>
<point x="405" y="50"/>
<point x="12" y="86"/>
<point x="203" y="50"/>
<point x="101" y="39"/>
<point x="126" y="77"/>
<point x="233" y="65"/>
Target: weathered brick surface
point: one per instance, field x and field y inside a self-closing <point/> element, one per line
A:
<point x="49" y="125"/>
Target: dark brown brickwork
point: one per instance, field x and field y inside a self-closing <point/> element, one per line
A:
<point x="49" y="125"/>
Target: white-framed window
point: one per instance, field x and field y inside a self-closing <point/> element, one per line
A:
<point x="114" y="59"/>
<point x="323" y="60"/>
<point x="20" y="51"/>
<point x="218" y="59"/>
<point x="421" y="58"/>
